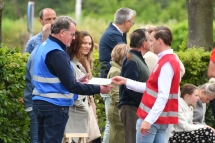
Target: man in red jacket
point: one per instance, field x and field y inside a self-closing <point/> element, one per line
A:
<point x="159" y="104"/>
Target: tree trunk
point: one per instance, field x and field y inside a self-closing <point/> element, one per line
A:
<point x="1" y="10"/>
<point x="200" y="23"/>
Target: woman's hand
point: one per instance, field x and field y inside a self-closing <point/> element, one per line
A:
<point x="84" y="79"/>
<point x="206" y="126"/>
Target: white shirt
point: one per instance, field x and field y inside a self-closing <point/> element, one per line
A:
<point x="164" y="84"/>
<point x="185" y="118"/>
<point x="117" y="28"/>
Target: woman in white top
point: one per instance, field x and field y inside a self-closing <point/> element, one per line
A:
<point x="185" y="131"/>
<point x="81" y="55"/>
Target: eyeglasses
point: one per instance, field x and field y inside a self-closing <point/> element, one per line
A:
<point x="131" y="22"/>
<point x="73" y="34"/>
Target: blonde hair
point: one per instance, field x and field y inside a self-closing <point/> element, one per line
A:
<point x="149" y="28"/>
<point x="119" y="52"/>
<point x="209" y="87"/>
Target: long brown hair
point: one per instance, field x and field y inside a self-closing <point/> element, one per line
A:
<point x="74" y="49"/>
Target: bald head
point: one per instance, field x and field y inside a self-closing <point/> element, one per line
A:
<point x="47" y="15"/>
<point x="46" y="31"/>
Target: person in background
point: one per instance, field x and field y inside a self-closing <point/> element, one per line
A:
<point x="135" y="68"/>
<point x="81" y="55"/>
<point x="46" y="16"/>
<point x="185" y="130"/>
<point x="206" y="94"/>
<point x="211" y="73"/>
<point x="113" y="35"/>
<point x="55" y="87"/>
<point x="87" y="63"/>
<point x="150" y="57"/>
<point x="117" y="133"/>
<point x="159" y="104"/>
<point x="46" y="30"/>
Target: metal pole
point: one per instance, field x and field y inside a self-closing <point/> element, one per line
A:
<point x="78" y="10"/>
<point x="30" y="17"/>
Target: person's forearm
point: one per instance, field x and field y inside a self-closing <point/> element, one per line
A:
<point x="135" y="85"/>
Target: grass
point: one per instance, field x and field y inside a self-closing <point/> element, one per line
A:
<point x="15" y="33"/>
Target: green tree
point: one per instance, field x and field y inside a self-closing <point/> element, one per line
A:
<point x="200" y="23"/>
<point x="1" y="9"/>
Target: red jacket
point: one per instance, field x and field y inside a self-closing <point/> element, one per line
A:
<point x="170" y="112"/>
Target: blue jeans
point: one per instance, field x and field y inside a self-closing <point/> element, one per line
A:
<point x="33" y="127"/>
<point x="51" y="120"/>
<point x="157" y="133"/>
<point x="106" y="99"/>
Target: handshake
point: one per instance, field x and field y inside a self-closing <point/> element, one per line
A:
<point x="105" y="84"/>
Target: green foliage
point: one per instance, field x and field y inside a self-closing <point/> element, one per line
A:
<point x="14" y="121"/>
<point x="183" y="46"/>
<point x="147" y="11"/>
<point x="179" y="31"/>
<point x="100" y="108"/>
<point x="195" y="61"/>
<point x="16" y="9"/>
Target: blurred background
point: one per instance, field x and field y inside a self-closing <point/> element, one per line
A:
<point x="95" y="17"/>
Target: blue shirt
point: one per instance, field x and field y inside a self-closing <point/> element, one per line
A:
<point x="28" y="81"/>
<point x="33" y="42"/>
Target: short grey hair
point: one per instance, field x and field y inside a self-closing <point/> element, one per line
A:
<point x="209" y="87"/>
<point x="62" y="22"/>
<point x="123" y="14"/>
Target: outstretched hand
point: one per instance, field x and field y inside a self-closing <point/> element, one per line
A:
<point x="118" y="80"/>
<point x="84" y="79"/>
<point x="105" y="89"/>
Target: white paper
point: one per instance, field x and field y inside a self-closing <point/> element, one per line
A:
<point x="100" y="81"/>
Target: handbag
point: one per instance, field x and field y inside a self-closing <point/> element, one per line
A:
<point x="93" y="128"/>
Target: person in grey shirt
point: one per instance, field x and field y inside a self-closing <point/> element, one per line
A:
<point x="206" y="94"/>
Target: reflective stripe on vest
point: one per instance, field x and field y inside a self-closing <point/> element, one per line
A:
<point x="53" y="95"/>
<point x="163" y="114"/>
<point x="46" y="80"/>
<point x="154" y="94"/>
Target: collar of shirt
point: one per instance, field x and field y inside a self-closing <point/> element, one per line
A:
<point x="62" y="45"/>
<point x="117" y="28"/>
<point x="169" y="51"/>
<point x="135" y="52"/>
<point x="184" y="105"/>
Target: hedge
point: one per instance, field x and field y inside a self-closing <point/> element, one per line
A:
<point x="14" y="121"/>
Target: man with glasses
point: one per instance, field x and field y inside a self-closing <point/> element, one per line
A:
<point x="55" y="83"/>
<point x="113" y="35"/>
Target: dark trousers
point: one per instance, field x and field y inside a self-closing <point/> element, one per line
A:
<point x="51" y="120"/>
<point x="129" y="118"/>
<point x="212" y="103"/>
<point x="98" y="140"/>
